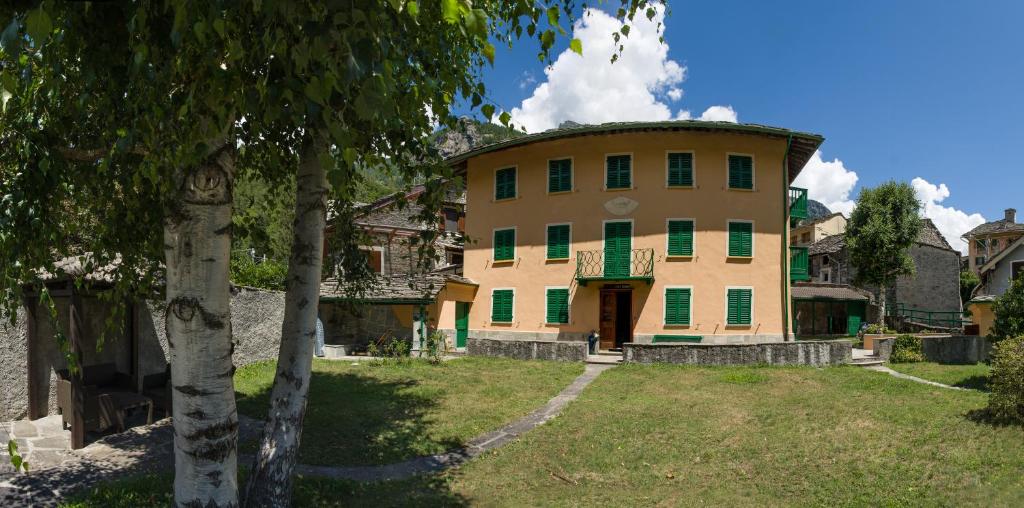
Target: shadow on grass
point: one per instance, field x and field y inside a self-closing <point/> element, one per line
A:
<point x="974" y="383"/>
<point x="356" y="420"/>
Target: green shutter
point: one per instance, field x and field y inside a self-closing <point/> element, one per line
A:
<point x="505" y="183"/>
<point x="741" y="172"/>
<point x="560" y="175"/>
<point x="680" y="170"/>
<point x="741" y="239"/>
<point x="619" y="172"/>
<point x="618" y="241"/>
<point x="677" y="306"/>
<point x="504" y="244"/>
<point x="558" y="241"/>
<point x="739" y="301"/>
<point x="501" y="306"/>
<point x="680" y="238"/>
<point x="558" y="306"/>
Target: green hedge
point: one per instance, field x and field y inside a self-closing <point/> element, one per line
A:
<point x="906" y="349"/>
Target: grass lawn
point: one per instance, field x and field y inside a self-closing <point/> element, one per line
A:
<point x="363" y="413"/>
<point x="965" y="376"/>
<point x="670" y="435"/>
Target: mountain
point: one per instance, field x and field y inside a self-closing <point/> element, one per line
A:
<point x="816" y="210"/>
<point x="469" y="134"/>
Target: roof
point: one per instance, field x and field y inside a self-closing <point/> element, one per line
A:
<point x="991" y="264"/>
<point x="811" y="222"/>
<point x="412" y="289"/>
<point x="983" y="299"/>
<point x="929" y="236"/>
<point x="818" y="291"/>
<point x="999" y="226"/>
<point x="802" y="147"/>
<point x="81" y="268"/>
<point x="391" y="216"/>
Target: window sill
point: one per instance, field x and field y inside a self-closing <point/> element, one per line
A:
<point x="557" y="260"/>
<point x="502" y="323"/>
<point x="500" y="262"/>
<point x="678" y="257"/>
<point x="740" y="258"/>
<point x="558" y="193"/>
<point x="618" y="189"/>
<point x="681" y="187"/>
<point x="556" y="324"/>
<point x="740" y="190"/>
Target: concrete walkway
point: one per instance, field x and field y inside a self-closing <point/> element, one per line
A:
<point x="908" y="377"/>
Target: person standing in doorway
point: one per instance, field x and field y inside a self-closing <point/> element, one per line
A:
<point x="319" y="351"/>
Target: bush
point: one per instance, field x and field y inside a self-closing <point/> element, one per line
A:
<point x="435" y="347"/>
<point x="1006" y="402"/>
<point x="906" y="349"/>
<point x="877" y="329"/>
<point x="1009" y="311"/>
<point x="390" y="349"/>
<point x="268" y="274"/>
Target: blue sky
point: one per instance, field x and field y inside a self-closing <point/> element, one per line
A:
<point x="905" y="90"/>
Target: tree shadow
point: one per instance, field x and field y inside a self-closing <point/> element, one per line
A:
<point x="358" y="420"/>
<point x="975" y="382"/>
<point x="987" y="417"/>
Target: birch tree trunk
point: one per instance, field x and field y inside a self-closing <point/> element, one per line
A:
<point x="270" y="483"/>
<point x="881" y="306"/>
<point x="197" y="243"/>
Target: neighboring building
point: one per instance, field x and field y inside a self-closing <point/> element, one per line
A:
<point x="988" y="240"/>
<point x="830" y="309"/>
<point x="810" y="231"/>
<point x="934" y="287"/>
<point x="639" y="231"/>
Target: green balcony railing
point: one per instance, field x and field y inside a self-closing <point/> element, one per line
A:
<point x="799" y="267"/>
<point x="592" y="265"/>
<point x="797" y="203"/>
<point x="938" y="319"/>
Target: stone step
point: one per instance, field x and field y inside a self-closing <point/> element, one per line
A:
<point x="866" y="361"/>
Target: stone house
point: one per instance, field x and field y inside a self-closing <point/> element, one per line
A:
<point x="935" y="286"/>
<point x="990" y="239"/>
<point x="998" y="258"/>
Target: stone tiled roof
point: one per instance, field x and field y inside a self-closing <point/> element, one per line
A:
<point x="451" y="241"/>
<point x="999" y="226"/>
<point x="817" y="291"/>
<point x="929" y="235"/>
<point x="416" y="288"/>
<point x="392" y="217"/>
<point x="80" y="267"/>
<point x="828" y="245"/>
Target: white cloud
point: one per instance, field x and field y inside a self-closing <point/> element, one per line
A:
<point x="591" y="89"/>
<point x="526" y="80"/>
<point x="951" y="222"/>
<point x="719" y="114"/>
<point x="828" y="182"/>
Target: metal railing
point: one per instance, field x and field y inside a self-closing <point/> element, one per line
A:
<point x="592" y="265"/>
<point x="797" y="203"/>
<point x="799" y="266"/>
<point x="938" y="319"/>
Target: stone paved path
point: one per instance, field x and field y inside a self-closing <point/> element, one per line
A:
<point x="887" y="370"/>
<point x="149" y="448"/>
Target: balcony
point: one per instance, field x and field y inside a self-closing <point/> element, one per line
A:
<point x="797" y="203"/>
<point x="798" y="264"/>
<point x="593" y="265"/>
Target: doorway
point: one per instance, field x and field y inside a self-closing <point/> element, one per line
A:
<point x="616" y="317"/>
<point x="461" y="323"/>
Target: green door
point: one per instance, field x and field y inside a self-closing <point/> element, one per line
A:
<point x="618" y="243"/>
<point x="461" y="323"/>
<point x="855" y="316"/>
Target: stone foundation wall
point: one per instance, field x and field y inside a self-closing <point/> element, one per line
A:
<point x="13" y="368"/>
<point x="527" y="349"/>
<point x="356" y="326"/>
<point x="531" y="336"/>
<point x="812" y="353"/>
<point x="956" y="349"/>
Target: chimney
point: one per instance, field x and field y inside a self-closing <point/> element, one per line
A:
<point x="1011" y="215"/>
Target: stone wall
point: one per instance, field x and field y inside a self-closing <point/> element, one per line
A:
<point x="527" y="349"/>
<point x="355" y="326"/>
<point x="956" y="349"/>
<point x="13" y="368"/>
<point x="812" y="353"/>
<point x="936" y="284"/>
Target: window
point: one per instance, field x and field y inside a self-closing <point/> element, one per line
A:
<point x="375" y="258"/>
<point x="505" y="183"/>
<point x="1016" y="270"/>
<point x="995" y="245"/>
<point x="805" y="238"/>
<point x="501" y="305"/>
<point x="557" y="306"/>
<point x="677" y="306"/>
<point x="741" y="172"/>
<point x="451" y="220"/>
<point x="980" y="245"/>
<point x="558" y="241"/>
<point x="680" y="169"/>
<point x="738" y="304"/>
<point x="454" y="258"/>
<point x="680" y="237"/>
<point x="504" y="244"/>
<point x="741" y="239"/>
<point x="619" y="172"/>
<point x="560" y="175"/>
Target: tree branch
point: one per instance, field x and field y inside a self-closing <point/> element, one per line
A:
<point x="92" y="154"/>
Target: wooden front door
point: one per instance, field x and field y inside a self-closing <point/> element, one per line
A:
<point x="607" y="319"/>
<point x="461" y="323"/>
<point x="616" y="311"/>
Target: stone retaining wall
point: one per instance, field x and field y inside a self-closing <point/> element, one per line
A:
<point x="813" y="353"/>
<point x="956" y="349"/>
<point x="527" y="349"/>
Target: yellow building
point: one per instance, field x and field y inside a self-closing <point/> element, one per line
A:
<point x="808" y="232"/>
<point x="667" y="231"/>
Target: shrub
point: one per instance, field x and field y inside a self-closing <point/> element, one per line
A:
<point x="1006" y="402"/>
<point x="390" y="350"/>
<point x="906" y="349"/>
<point x="268" y="274"/>
<point x="1009" y="311"/>
<point x="435" y="347"/>
<point x="877" y="329"/>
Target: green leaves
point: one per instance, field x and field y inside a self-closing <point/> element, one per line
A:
<point x="9" y="38"/>
<point x="576" y="46"/>
<point x="413" y="8"/>
<point x="38" y="25"/>
<point x="16" y="460"/>
<point x="487" y="110"/>
<point x="450" y="10"/>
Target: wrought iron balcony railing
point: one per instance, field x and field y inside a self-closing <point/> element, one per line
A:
<point x="797" y="203"/>
<point x="637" y="264"/>
<point x="799" y="266"/>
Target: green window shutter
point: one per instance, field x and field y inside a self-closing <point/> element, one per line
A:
<point x="618" y="240"/>
<point x="680" y="170"/>
<point x="505" y="183"/>
<point x="741" y="172"/>
<point x="558" y="306"/>
<point x="739" y="301"/>
<point x="680" y="238"/>
<point x="619" y="172"/>
<point x="560" y="175"/>
<point x="501" y="306"/>
<point x="504" y="244"/>
<point x="558" y="241"/>
<point x="741" y="239"/>
<point x="677" y="306"/>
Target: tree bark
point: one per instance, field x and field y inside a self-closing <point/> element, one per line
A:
<point x="881" y="306"/>
<point x="197" y="243"/>
<point x="270" y="483"/>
